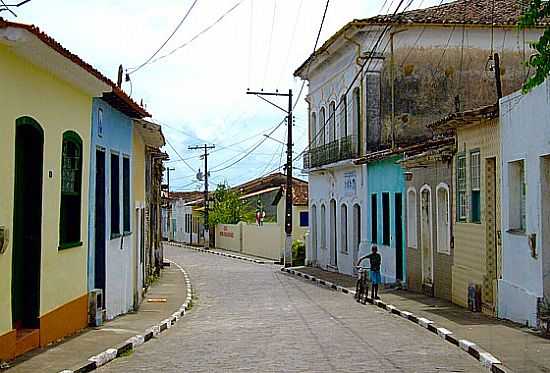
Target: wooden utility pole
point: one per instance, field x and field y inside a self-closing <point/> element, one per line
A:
<point x="205" y="147"/>
<point x="497" y="76"/>
<point x="287" y="256"/>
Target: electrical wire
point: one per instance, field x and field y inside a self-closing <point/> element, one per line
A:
<point x="167" y="40"/>
<point x="178" y="154"/>
<point x="291" y="44"/>
<point x="270" y="41"/>
<point x="250" y="28"/>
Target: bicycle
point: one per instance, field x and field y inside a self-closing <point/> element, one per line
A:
<point x="362" y="285"/>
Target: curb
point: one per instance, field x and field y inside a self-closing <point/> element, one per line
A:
<point x="485" y="358"/>
<point x="257" y="261"/>
<point x="132" y="343"/>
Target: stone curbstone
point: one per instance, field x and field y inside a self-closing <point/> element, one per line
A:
<point x="124" y="348"/>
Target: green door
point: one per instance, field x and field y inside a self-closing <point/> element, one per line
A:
<point x="27" y="223"/>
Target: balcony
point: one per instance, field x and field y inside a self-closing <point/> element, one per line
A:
<point x="335" y="151"/>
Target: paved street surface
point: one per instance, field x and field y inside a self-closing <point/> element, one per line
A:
<point x="254" y="318"/>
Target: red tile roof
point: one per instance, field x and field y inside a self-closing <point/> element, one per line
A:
<point x="471" y="12"/>
<point x="117" y="98"/>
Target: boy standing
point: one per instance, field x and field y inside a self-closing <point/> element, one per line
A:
<point x="375" y="261"/>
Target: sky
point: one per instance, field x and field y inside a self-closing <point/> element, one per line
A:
<point x="198" y="93"/>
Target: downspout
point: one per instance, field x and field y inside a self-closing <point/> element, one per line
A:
<point x="361" y="94"/>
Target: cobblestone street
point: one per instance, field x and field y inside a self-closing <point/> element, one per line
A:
<point x="251" y="317"/>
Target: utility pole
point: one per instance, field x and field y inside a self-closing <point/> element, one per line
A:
<point x="288" y="202"/>
<point x="205" y="147"/>
<point x="169" y="205"/>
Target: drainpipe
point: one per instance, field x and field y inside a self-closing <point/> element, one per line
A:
<point x="361" y="93"/>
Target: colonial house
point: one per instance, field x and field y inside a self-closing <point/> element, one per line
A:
<point x="476" y="206"/>
<point x="111" y="237"/>
<point x="186" y="217"/>
<point x="429" y="253"/>
<point x="47" y="98"/>
<point x="429" y="63"/>
<point x="525" y="199"/>
<point x="146" y="179"/>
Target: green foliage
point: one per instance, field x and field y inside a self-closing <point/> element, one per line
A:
<point x="228" y="208"/>
<point x="298" y="253"/>
<point x="536" y="11"/>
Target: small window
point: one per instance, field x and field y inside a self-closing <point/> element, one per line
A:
<point x="411" y="219"/>
<point x="313" y="129"/>
<point x="461" y="202"/>
<point x="517" y="196"/>
<point x="374" y="218"/>
<point x="344" y="228"/>
<point x="304" y="217"/>
<point x="475" y="180"/>
<point x="386" y="219"/>
<point x="126" y="193"/>
<point x="115" y="195"/>
<point x="71" y="188"/>
<point x="100" y="122"/>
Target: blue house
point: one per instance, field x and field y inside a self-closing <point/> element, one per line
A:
<point x="385" y="212"/>
<point x="113" y="258"/>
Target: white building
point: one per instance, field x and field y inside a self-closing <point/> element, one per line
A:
<point x="426" y="65"/>
<point x="525" y="134"/>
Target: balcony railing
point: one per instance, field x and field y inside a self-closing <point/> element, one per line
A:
<point x="335" y="151"/>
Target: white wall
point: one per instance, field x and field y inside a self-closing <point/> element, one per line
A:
<point x="119" y="286"/>
<point x="525" y="131"/>
<point x="327" y="185"/>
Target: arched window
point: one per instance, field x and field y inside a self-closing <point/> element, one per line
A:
<point x="323" y="227"/>
<point x="71" y="188"/>
<point x="344" y="228"/>
<point x="357" y="116"/>
<point x="322" y="125"/>
<point x="343" y="116"/>
<point x="313" y="129"/>
<point x="412" y="227"/>
<point x="443" y="219"/>
<point x="332" y="122"/>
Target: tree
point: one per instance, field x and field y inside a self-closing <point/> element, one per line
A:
<point x="536" y="12"/>
<point x="228" y="207"/>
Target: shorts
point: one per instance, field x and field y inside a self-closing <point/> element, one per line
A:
<point x="375" y="277"/>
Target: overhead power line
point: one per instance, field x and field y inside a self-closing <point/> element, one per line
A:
<point x="180" y="157"/>
<point x="7" y="7"/>
<point x="167" y="40"/>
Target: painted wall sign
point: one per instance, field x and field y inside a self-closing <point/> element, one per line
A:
<point x="226" y="232"/>
<point x="350" y="183"/>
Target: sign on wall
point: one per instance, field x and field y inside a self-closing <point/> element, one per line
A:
<point x="350" y="183"/>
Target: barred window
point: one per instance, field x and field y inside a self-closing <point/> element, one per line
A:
<point x="462" y="209"/>
<point x="71" y="186"/>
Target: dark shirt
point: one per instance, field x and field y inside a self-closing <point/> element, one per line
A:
<point x="375" y="260"/>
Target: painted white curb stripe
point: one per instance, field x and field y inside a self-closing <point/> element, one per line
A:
<point x="423" y="322"/>
<point x="442" y="332"/>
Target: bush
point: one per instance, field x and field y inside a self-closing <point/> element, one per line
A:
<point x="298" y="253"/>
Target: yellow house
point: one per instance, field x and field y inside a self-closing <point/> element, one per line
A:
<point x="476" y="210"/>
<point x="45" y="120"/>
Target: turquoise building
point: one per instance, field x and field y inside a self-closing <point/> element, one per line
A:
<point x="386" y="215"/>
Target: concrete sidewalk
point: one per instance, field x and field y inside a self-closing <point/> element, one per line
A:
<point x="520" y="349"/>
<point x="77" y="349"/>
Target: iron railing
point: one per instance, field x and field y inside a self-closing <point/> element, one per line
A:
<point x="335" y="151"/>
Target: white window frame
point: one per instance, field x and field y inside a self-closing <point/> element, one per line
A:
<point x="322" y="128"/>
<point x="412" y="226"/>
<point x="447" y="249"/>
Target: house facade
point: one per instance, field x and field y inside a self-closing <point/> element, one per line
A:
<point x="525" y="199"/>
<point x="429" y="253"/>
<point x="363" y="101"/>
<point x="111" y="204"/>
<point x="476" y="208"/>
<point x="47" y="95"/>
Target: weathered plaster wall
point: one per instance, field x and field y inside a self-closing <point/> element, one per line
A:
<point x="57" y="107"/>
<point x="116" y="139"/>
<point x="525" y="130"/>
<point x="432" y="176"/>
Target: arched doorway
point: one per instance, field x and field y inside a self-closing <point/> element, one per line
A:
<point x="332" y="233"/>
<point x="27" y="224"/>
<point x="426" y="240"/>
<point x="356" y="232"/>
<point x="313" y="234"/>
